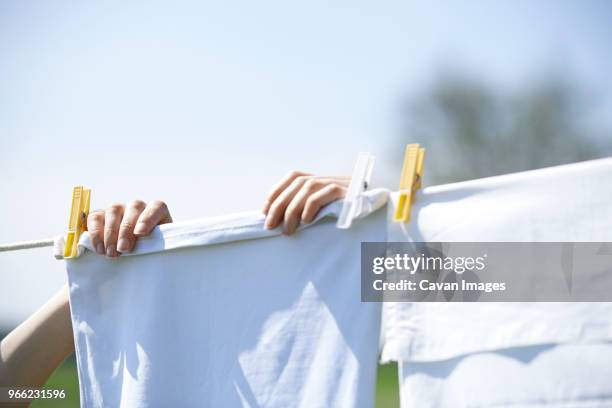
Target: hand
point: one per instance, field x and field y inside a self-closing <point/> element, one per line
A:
<point x="299" y="196"/>
<point x="115" y="230"/>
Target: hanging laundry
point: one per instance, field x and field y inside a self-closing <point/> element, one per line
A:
<point x="224" y="313"/>
<point x="452" y="354"/>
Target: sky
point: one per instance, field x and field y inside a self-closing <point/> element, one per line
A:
<point x="206" y="104"/>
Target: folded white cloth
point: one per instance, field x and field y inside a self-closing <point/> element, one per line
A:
<point x="211" y="314"/>
<point x="567" y="203"/>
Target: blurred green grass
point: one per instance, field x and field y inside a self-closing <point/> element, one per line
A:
<point x="387" y="386"/>
<point x="65" y="377"/>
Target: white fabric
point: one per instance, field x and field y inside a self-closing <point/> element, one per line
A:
<point x="306" y="340"/>
<point x="227" y="318"/>
<point x="566" y="203"/>
<point x="230" y="228"/>
<point x="570" y="375"/>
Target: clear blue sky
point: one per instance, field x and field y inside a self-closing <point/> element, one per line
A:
<point x="206" y="104"/>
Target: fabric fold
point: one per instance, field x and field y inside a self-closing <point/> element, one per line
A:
<point x="570" y="203"/>
<point x="217" y="230"/>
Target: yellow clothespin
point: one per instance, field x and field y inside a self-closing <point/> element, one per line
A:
<point x="412" y="174"/>
<point x="78" y="220"/>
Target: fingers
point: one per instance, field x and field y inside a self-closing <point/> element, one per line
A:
<point x="115" y="230"/>
<point x="155" y="213"/>
<point x="293" y="213"/>
<point x="321" y="198"/>
<point x="301" y="199"/>
<point x="127" y="239"/>
<point x="280" y="187"/>
<point x="112" y="221"/>
<point x="95" y="226"/>
<point x="277" y="209"/>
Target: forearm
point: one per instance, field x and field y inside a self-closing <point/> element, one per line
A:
<point x="31" y="352"/>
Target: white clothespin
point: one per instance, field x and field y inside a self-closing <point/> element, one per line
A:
<point x="362" y="173"/>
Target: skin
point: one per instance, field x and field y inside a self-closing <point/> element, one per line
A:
<point x="114" y="231"/>
<point x="298" y="197"/>
<point x="33" y="350"/>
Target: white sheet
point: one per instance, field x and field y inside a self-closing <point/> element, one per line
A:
<point x="566" y="203"/>
<point x="233" y="315"/>
<point x="305" y="339"/>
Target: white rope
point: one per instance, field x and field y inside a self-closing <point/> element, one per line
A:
<point x="26" y="245"/>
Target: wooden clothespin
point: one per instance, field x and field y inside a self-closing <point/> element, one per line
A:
<point x="412" y="175"/>
<point x="77" y="222"/>
<point x="362" y="174"/>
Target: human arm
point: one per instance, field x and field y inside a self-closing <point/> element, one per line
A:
<point x="35" y="348"/>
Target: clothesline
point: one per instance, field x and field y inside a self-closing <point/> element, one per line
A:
<point x="16" y="246"/>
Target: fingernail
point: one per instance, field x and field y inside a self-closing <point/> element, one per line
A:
<point x="100" y="248"/>
<point x="123" y="245"/>
<point x="268" y="224"/>
<point x="111" y="252"/>
<point x="139" y="229"/>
